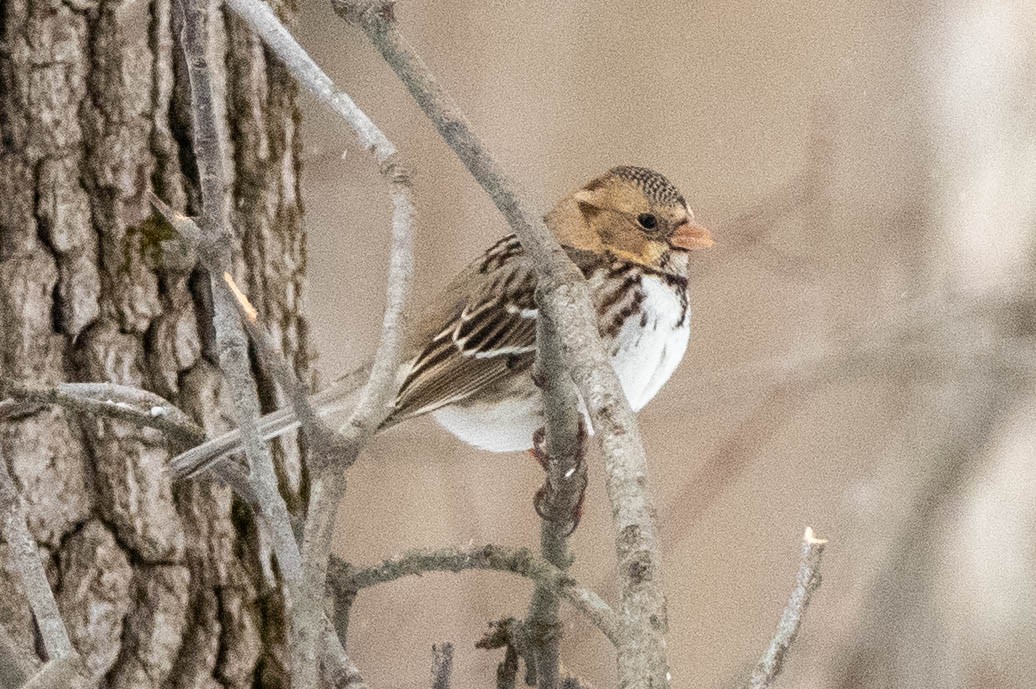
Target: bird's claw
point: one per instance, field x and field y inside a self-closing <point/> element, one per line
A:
<point x="548" y="513"/>
<point x="538" y="452"/>
<point x="553" y="501"/>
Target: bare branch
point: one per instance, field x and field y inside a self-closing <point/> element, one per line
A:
<point x="281" y="43"/>
<point x="511" y="635"/>
<point x="214" y="243"/>
<point x="139" y="407"/>
<point x="562" y="448"/>
<point x="565" y="299"/>
<point x="64" y="666"/>
<point x="806" y="582"/>
<point x="372" y="407"/>
<point x="215" y="248"/>
<point x="328" y="482"/>
<point x="346" y="581"/>
<point x="560" y="500"/>
<point x="442" y="665"/>
<point x="322" y="438"/>
<point x="316" y="531"/>
<point x="25" y="560"/>
<point x="259" y="488"/>
<point x="305" y="570"/>
<point x="338" y="670"/>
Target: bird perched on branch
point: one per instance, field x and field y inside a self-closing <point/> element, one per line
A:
<point x="470" y="359"/>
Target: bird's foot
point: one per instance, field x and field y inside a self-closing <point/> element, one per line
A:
<point x="560" y="499"/>
<point x="538" y="452"/>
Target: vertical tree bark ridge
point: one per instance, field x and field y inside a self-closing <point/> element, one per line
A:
<point x="157" y="589"/>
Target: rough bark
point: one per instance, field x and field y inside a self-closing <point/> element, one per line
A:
<point x="159" y="587"/>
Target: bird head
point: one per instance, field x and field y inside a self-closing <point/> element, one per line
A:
<point x="636" y="214"/>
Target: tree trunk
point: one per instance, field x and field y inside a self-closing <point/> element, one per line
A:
<point x="159" y="586"/>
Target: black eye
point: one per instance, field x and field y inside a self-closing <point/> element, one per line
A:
<point x="647" y="221"/>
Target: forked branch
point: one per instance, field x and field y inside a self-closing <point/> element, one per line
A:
<point x="346" y="581"/>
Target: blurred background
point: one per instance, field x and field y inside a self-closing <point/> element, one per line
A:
<point x="862" y="351"/>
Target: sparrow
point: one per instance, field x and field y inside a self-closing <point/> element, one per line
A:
<point x="470" y="358"/>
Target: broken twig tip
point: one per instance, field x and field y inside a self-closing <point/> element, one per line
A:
<point x="811" y="539"/>
<point x="250" y="313"/>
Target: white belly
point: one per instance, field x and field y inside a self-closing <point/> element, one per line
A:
<point x="504" y="426"/>
<point x="644" y="358"/>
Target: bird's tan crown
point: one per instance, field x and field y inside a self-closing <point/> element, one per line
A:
<point x="632" y="212"/>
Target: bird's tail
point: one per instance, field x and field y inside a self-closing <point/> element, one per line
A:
<point x="338" y="398"/>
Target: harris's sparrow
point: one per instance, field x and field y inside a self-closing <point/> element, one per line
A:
<point x="470" y="359"/>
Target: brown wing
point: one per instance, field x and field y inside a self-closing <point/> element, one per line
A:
<point x="488" y="333"/>
<point x="485" y="332"/>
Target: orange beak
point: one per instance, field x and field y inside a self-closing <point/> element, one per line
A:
<point x="689" y="236"/>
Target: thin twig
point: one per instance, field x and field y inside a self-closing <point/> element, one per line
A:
<point x="442" y="665"/>
<point x="122" y="402"/>
<point x="806" y="582"/>
<point x="346" y="580"/>
<point x="64" y="664"/>
<point x="25" y="560"/>
<point x="215" y="248"/>
<point x="256" y="489"/>
<point x="372" y="407"/>
<point x="330" y="453"/>
<point x="566" y="301"/>
<point x="139" y="407"/>
<point x="321" y="437"/>
<point x="560" y="497"/>
<point x="331" y="457"/>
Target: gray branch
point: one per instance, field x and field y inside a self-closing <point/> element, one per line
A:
<point x="806" y="582"/>
<point x="372" y="407"/>
<point x="139" y="407"/>
<point x="339" y="671"/>
<point x="257" y="487"/>
<point x="442" y="665"/>
<point x="561" y="495"/>
<point x="64" y="664"/>
<point x="345" y="581"/>
<point x="332" y="455"/>
<point x="215" y="248"/>
<point x="305" y="569"/>
<point x="25" y="560"/>
<point x="566" y="301"/>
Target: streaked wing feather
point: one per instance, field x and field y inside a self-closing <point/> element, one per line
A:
<point x="485" y="332"/>
<point x="489" y="335"/>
